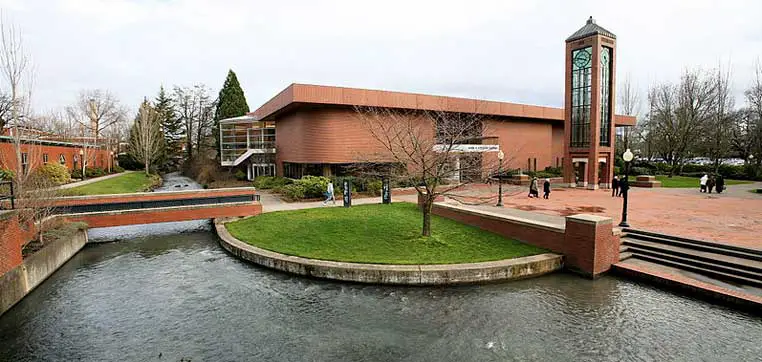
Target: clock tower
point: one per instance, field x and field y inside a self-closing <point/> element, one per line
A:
<point x="589" y="107"/>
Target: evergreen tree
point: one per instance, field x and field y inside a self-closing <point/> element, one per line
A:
<point x="171" y="127"/>
<point x="230" y="103"/>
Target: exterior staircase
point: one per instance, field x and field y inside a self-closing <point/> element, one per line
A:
<point x="737" y="266"/>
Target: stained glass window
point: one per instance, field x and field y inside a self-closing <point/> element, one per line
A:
<point x="581" y="96"/>
<point x="605" y="137"/>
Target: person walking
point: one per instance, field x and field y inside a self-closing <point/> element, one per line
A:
<point x="702" y="181"/>
<point x="710" y="183"/>
<point x="720" y="184"/>
<point x="546" y="189"/>
<point x="329" y="196"/>
<point x="615" y="186"/>
<point x="533" y="192"/>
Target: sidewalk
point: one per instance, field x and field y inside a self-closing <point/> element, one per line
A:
<point x="89" y="181"/>
<point x="272" y="203"/>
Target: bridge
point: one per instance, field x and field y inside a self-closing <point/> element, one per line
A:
<point x="155" y="207"/>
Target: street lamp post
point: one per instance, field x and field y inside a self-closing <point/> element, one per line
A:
<point x="627" y="156"/>
<point x="110" y="161"/>
<point x="500" y="156"/>
<point x="82" y="159"/>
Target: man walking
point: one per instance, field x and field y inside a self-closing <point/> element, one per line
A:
<point x="546" y="189"/>
<point x="329" y="194"/>
<point x="702" y="182"/>
<point x="615" y="186"/>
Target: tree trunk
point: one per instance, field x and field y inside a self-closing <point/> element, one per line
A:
<point x="146" y="166"/>
<point x="427" y="204"/>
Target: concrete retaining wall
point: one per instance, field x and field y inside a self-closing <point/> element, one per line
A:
<point x="440" y="274"/>
<point x="21" y="280"/>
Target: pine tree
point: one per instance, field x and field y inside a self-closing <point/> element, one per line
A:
<point x="171" y="127"/>
<point x="230" y="103"/>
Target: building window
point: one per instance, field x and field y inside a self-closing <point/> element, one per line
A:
<point x="44" y="158"/>
<point x="581" y="88"/>
<point x="24" y="162"/>
<point x="605" y="137"/>
<point x="62" y="159"/>
<point x="535" y="165"/>
<point x="529" y="164"/>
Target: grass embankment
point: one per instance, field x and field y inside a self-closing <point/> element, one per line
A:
<point x="380" y="234"/>
<point x="127" y="183"/>
<point x="687" y="182"/>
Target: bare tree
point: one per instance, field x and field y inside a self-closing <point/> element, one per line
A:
<point x="678" y="114"/>
<point x="195" y="109"/>
<point x="425" y="148"/>
<point x="146" y="139"/>
<point x="629" y="104"/>
<point x="749" y="136"/>
<point x="718" y="127"/>
<point x="96" y="110"/>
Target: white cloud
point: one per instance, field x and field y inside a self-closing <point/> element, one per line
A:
<point x="502" y="50"/>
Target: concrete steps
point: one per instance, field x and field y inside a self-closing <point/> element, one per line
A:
<point x="728" y="263"/>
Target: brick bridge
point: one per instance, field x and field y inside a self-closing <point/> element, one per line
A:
<point x="154" y="207"/>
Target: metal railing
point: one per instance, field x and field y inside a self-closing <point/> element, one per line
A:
<point x="7" y="193"/>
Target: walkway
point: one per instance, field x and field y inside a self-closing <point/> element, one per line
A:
<point x="271" y="202"/>
<point x="91" y="180"/>
<point x="733" y="217"/>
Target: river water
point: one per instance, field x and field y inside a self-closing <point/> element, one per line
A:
<point x="168" y="296"/>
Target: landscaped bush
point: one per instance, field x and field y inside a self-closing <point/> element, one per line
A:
<point x="555" y="171"/>
<point x="77" y="173"/>
<point x="374" y="187"/>
<point x="94" y="172"/>
<point x="127" y="162"/>
<point x="56" y="173"/>
<point x="117" y="169"/>
<point x="292" y="192"/>
<point x="271" y="182"/>
<point x="313" y="186"/>
<point x="240" y="175"/>
<point x="6" y="174"/>
<point x="639" y="171"/>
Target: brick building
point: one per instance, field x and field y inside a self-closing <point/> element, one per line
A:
<point x="38" y="152"/>
<point x="314" y="129"/>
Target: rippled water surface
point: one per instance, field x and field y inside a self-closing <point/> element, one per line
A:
<point x="167" y="297"/>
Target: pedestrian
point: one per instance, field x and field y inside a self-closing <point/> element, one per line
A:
<point x="703" y="182"/>
<point x="615" y="186"/>
<point x="329" y="196"/>
<point x="624" y="186"/>
<point x="533" y="192"/>
<point x="720" y="184"/>
<point x="710" y="183"/>
<point x="546" y="189"/>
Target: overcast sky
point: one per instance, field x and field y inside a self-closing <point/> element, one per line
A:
<point x="498" y="50"/>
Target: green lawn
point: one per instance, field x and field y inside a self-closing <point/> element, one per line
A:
<point x="686" y="182"/>
<point x="381" y="234"/>
<point x="127" y="183"/>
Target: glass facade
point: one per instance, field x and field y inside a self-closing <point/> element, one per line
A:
<point x="605" y="137"/>
<point x="581" y="89"/>
<point x="237" y="138"/>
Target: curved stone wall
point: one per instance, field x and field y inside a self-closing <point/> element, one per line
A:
<point x="437" y="274"/>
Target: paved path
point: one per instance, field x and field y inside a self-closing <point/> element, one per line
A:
<point x="89" y="181"/>
<point x="271" y="202"/>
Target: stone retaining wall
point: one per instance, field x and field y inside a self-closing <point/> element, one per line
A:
<point x="21" y="280"/>
<point x="438" y="274"/>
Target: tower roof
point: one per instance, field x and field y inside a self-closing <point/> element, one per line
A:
<point x="590" y="28"/>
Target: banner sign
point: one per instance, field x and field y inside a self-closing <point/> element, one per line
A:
<point x="386" y="192"/>
<point x="347" y="193"/>
<point x="468" y="148"/>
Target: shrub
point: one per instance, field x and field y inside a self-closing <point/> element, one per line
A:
<point x="6" y="174"/>
<point x="271" y="182"/>
<point x="293" y="192"/>
<point x="240" y="175"/>
<point x="128" y="162"/>
<point x="639" y="171"/>
<point x="313" y="186"/>
<point x="374" y="187"/>
<point x="553" y="171"/>
<point x="94" y="172"/>
<point x="117" y="169"/>
<point x="76" y="173"/>
<point x="54" y="172"/>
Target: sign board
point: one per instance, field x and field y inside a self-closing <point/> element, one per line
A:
<point x="386" y="191"/>
<point x="347" y="193"/>
<point x="467" y="148"/>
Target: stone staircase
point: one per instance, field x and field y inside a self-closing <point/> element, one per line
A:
<point x="702" y="260"/>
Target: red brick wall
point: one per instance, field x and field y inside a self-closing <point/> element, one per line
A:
<point x="156" y="216"/>
<point x="13" y="236"/>
<point x="522" y="140"/>
<point x="96" y="158"/>
<point x="588" y="248"/>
